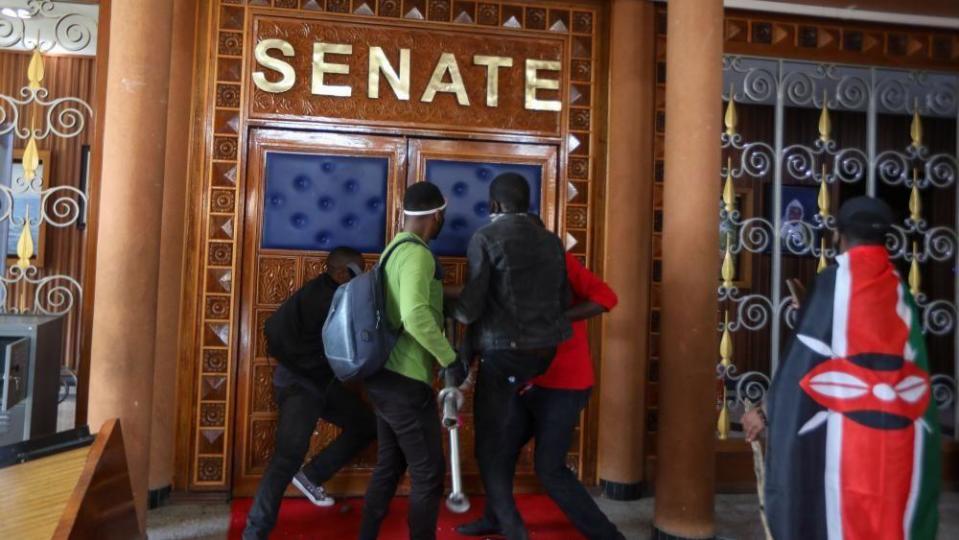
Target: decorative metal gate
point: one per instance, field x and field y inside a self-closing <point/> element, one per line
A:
<point x="814" y="135"/>
<point x="43" y="212"/>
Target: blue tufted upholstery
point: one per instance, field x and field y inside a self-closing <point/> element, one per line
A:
<point x="466" y="187"/>
<point x="317" y="202"/>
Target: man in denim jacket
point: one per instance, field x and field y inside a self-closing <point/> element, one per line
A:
<point x="515" y="300"/>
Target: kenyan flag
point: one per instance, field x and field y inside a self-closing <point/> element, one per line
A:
<point x="853" y="438"/>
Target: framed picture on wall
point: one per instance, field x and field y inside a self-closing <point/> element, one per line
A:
<point x="27" y="202"/>
<point x="798" y="210"/>
<point x="729" y="235"/>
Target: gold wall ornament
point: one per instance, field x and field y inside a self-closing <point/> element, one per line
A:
<point x="534" y="83"/>
<point x="321" y="67"/>
<point x="288" y="74"/>
<point x="446" y="64"/>
<point x="400" y="83"/>
<point x="823" y="263"/>
<point x="915" y="280"/>
<point x="30" y="160"/>
<point x="35" y="70"/>
<point x="823" y="199"/>
<point x="915" y="129"/>
<point x="731" y="118"/>
<point x="25" y="243"/>
<point x="915" y="202"/>
<point x="493" y="65"/>
<point x="825" y="124"/>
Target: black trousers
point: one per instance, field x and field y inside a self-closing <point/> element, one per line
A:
<point x="550" y="416"/>
<point x="409" y="437"/>
<point x="299" y="411"/>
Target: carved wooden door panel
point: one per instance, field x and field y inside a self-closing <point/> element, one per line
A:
<point x="306" y="193"/>
<point x="463" y="171"/>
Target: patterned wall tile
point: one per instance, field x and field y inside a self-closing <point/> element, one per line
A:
<point x="210" y="469"/>
<point x="277" y="277"/>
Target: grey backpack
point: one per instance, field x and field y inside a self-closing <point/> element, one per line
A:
<point x="357" y="336"/>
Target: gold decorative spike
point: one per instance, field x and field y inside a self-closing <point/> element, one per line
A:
<point x="35" y="70"/>
<point x="823" y="263"/>
<point x="731" y="118"/>
<point x="25" y="243"/>
<point x="726" y="343"/>
<point x="729" y="192"/>
<point x="30" y="160"/>
<point x="915" y="202"/>
<point x="915" y="130"/>
<point x="729" y="267"/>
<point x="915" y="284"/>
<point x="823" y="195"/>
<point x="825" y="124"/>
<point x="725" y="353"/>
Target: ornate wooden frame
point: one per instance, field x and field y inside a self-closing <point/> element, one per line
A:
<point x="209" y="322"/>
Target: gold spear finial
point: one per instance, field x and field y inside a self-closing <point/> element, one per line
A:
<point x="823" y="199"/>
<point x="915" y="284"/>
<point x="35" y="70"/>
<point x="823" y="263"/>
<point x="729" y="267"/>
<point x="915" y="129"/>
<point x="25" y="243"/>
<point x="825" y="124"/>
<point x="731" y="118"/>
<point x="725" y="353"/>
<point x="30" y="159"/>
<point x="915" y="202"/>
<point x="729" y="191"/>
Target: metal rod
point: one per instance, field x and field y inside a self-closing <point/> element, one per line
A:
<point x="872" y="119"/>
<point x="775" y="286"/>
<point x="955" y="291"/>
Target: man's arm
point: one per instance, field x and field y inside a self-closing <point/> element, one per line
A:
<point x="472" y="300"/>
<point x="598" y="296"/>
<point x="416" y="312"/>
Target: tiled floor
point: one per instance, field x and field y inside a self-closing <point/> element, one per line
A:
<point x="736" y="517"/>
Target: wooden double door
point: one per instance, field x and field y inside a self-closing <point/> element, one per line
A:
<point x="307" y="193"/>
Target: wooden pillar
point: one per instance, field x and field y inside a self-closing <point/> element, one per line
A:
<point x="128" y="236"/>
<point x="685" y="467"/>
<point x="628" y="227"/>
<point x="169" y="289"/>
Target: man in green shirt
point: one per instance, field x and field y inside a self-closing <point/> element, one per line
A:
<point x="408" y="424"/>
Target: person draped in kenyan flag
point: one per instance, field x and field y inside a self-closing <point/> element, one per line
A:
<point x="853" y="442"/>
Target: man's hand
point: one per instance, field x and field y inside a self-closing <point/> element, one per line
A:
<point x="754" y="423"/>
<point x="797" y="292"/>
<point x="455" y="374"/>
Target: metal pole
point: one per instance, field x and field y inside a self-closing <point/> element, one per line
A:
<point x="775" y="286"/>
<point x="955" y="299"/>
<point x="872" y="119"/>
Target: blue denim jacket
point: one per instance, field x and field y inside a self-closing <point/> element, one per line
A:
<point x="517" y="292"/>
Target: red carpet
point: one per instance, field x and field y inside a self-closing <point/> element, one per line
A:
<point x="300" y="519"/>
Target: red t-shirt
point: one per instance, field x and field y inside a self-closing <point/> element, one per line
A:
<point x="572" y="368"/>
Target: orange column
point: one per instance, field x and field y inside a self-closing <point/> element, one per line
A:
<point x="628" y="227"/>
<point x="685" y="467"/>
<point x="171" y="248"/>
<point x="128" y="238"/>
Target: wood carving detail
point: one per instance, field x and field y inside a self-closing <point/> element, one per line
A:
<point x="263" y="399"/>
<point x="261" y="443"/>
<point x="210" y="469"/>
<point x="276" y="278"/>
<point x="214" y="361"/>
<point x="510" y="115"/>
<point x="212" y="414"/>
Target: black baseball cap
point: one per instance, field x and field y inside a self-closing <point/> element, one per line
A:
<point x="865" y="219"/>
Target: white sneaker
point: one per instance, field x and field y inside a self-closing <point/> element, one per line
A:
<point x="315" y="493"/>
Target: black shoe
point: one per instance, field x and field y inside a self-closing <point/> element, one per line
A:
<point x="480" y="527"/>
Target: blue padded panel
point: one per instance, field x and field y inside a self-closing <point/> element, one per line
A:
<point x="466" y="187"/>
<point x="317" y="202"/>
